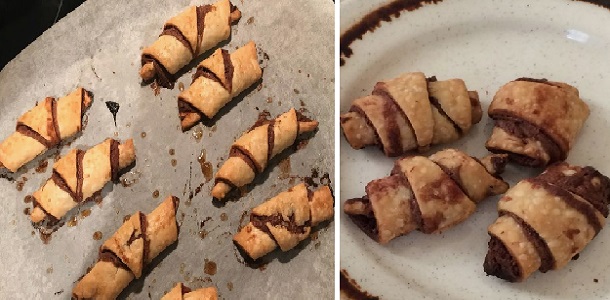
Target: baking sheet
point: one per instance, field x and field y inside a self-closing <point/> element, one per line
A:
<point x="486" y="43"/>
<point x="98" y="47"/>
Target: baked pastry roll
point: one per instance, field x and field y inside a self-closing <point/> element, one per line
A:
<point x="429" y="194"/>
<point x="78" y="175"/>
<point x="217" y="80"/>
<point x="44" y="127"/>
<point x="186" y="36"/>
<point x="411" y="112"/>
<point x="545" y="221"/>
<point x="250" y="154"/>
<point x="122" y="257"/>
<point x="536" y="121"/>
<point x="285" y="220"/>
<point x="181" y="292"/>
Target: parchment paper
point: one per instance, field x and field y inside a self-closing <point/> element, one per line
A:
<point x="98" y="47"/>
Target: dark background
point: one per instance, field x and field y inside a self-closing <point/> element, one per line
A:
<point x="21" y="22"/>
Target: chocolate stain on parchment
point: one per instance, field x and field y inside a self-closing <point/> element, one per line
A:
<point x="113" y="107"/>
<point x="351" y="289"/>
<point x="371" y="21"/>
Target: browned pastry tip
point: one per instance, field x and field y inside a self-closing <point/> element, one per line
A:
<point x="546" y="221"/>
<point x="123" y="256"/>
<point x="284" y="220"/>
<point x="147" y="72"/>
<point x="411" y="112"/>
<point x="307" y="126"/>
<point x="429" y="194"/>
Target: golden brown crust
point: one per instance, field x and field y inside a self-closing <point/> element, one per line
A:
<point x="256" y="149"/>
<point x="84" y="174"/>
<point x="552" y="109"/>
<point x="411" y="112"/>
<point x="285" y="220"/>
<point x="123" y="256"/>
<point x="186" y="36"/>
<point x="428" y="194"/>
<point x="44" y="127"/>
<point x="211" y="91"/>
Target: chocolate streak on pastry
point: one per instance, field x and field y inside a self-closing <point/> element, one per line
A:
<point x="547" y="261"/>
<point x="174" y="31"/>
<point x="79" y="175"/>
<point x="29" y="132"/>
<point x="114" y="160"/>
<point x="569" y="200"/>
<point x="260" y="222"/>
<point x="207" y="73"/>
<point x="52" y="125"/>
<point x="271" y="138"/>
<point x="443" y="113"/>
<point x="162" y="76"/>
<point x="201" y="11"/>
<point x="109" y="256"/>
<point x="391" y="108"/>
<point x="63" y="185"/>
<point x="245" y="156"/>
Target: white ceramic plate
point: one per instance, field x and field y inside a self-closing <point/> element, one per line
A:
<point x="486" y="43"/>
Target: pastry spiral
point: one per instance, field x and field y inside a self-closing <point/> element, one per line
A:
<point x="411" y="112"/>
<point x="44" y="127"/>
<point x="285" y="220"/>
<point x="122" y="257"/>
<point x="184" y="37"/>
<point x="429" y="194"/>
<point x="547" y="220"/>
<point x="78" y="175"/>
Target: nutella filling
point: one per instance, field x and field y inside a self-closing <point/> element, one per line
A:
<point x="226" y="59"/>
<point x="63" y="185"/>
<point x="114" y="160"/>
<point x="271" y="139"/>
<point x="174" y="31"/>
<point x="569" y="200"/>
<point x="79" y="175"/>
<point x="368" y="122"/>
<point x="581" y="184"/>
<point x="49" y="217"/>
<point x="29" y="132"/>
<point x="277" y="220"/>
<point x="201" y="11"/>
<point x="453" y="173"/>
<point x="207" y="73"/>
<point x="109" y="256"/>
<point x="523" y="129"/>
<point x="390" y="111"/>
<point x="366" y="223"/>
<point x="186" y="108"/>
<point x="500" y="262"/>
<point x="547" y="261"/>
<point x="444" y="114"/>
<point x="246" y="156"/>
<point x="52" y="125"/>
<point x="162" y="75"/>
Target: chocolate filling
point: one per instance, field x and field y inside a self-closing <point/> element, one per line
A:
<point x="414" y="205"/>
<point x="581" y="184"/>
<point x="547" y="261"/>
<point x="225" y="181"/>
<point x="201" y="11"/>
<point x="246" y="156"/>
<point x="523" y="129"/>
<point x="263" y="118"/>
<point x="498" y="163"/>
<point x="52" y="125"/>
<point x="226" y="59"/>
<point x="271" y="139"/>
<point x="569" y="200"/>
<point x="51" y="218"/>
<point x="184" y="289"/>
<point x="367" y="223"/>
<point x="186" y="108"/>
<point x="500" y="262"/>
<point x="174" y="31"/>
<point x="63" y="185"/>
<point x="390" y="110"/>
<point x="453" y="173"/>
<point x="29" y="132"/>
<point x="163" y="76"/>
<point x="114" y="160"/>
<point x="109" y="256"/>
<point x="443" y="113"/>
<point x="146" y="247"/>
<point x="79" y="175"/>
<point x="207" y="73"/>
<point x="276" y="220"/>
